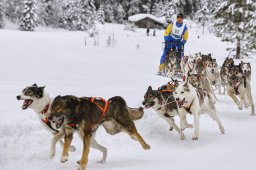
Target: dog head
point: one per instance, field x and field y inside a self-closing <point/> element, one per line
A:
<point x="152" y="98"/>
<point x="229" y="62"/>
<point x="195" y="80"/>
<point x="183" y="94"/>
<point x="192" y="60"/>
<point x="235" y="74"/>
<point x="62" y="110"/>
<point x="212" y="67"/>
<point x="172" y="55"/>
<point x="32" y="95"/>
<point x="246" y="67"/>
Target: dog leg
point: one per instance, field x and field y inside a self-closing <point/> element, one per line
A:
<point x="233" y="96"/>
<point x="215" y="117"/>
<point x="68" y="140"/>
<point x="87" y="142"/>
<point x="57" y="137"/>
<point x="173" y="124"/>
<point x="71" y="147"/>
<point x="135" y="135"/>
<point x="249" y="97"/>
<point x="96" y="145"/>
<point x="196" y="123"/>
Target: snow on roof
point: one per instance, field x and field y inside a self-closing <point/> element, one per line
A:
<point x="138" y="17"/>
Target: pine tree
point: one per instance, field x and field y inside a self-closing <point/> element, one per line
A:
<point x="13" y="10"/>
<point x="101" y="15"/>
<point x="134" y="7"/>
<point x="119" y="13"/>
<point x="49" y="12"/>
<point x="2" y="22"/>
<point x="232" y="24"/>
<point x="29" y="18"/>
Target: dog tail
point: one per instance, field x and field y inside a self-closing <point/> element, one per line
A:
<point x="134" y="113"/>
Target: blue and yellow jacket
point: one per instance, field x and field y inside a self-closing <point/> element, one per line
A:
<point x="168" y="31"/>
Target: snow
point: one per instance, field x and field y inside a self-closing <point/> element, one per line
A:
<point x="138" y="17"/>
<point x="60" y="60"/>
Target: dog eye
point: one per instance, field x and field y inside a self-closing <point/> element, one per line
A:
<point x="182" y="92"/>
<point x="150" y="96"/>
<point x="28" y="92"/>
<point x="58" y="109"/>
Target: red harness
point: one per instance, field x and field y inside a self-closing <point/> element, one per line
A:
<point x="104" y="110"/>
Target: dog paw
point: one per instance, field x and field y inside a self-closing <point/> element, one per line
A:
<point x="252" y="114"/>
<point x="72" y="148"/>
<point x="81" y="168"/>
<point x="195" y="138"/>
<point x="222" y="130"/>
<point x="182" y="137"/>
<point x="146" y="147"/>
<point x="101" y="161"/>
<point x="190" y="126"/>
<point x="171" y="128"/>
<point x="64" y="159"/>
<point x="52" y="153"/>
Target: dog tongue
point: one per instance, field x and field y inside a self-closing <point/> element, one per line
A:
<point x="234" y="82"/>
<point x="26" y="103"/>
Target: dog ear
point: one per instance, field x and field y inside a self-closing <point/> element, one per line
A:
<point x="149" y="88"/>
<point x="35" y="85"/>
<point x="209" y="55"/>
<point x="42" y="88"/>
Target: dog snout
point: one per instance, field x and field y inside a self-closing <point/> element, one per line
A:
<point x="177" y="99"/>
<point x="18" y="97"/>
<point x="143" y="102"/>
<point x="50" y="118"/>
<point x="212" y="70"/>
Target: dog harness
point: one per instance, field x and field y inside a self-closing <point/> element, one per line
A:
<point x="104" y="110"/>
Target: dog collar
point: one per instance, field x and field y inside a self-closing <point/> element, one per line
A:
<point x="46" y="109"/>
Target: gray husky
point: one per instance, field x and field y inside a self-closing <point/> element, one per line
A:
<point x="213" y="74"/>
<point x="238" y="86"/>
<point x="224" y="72"/>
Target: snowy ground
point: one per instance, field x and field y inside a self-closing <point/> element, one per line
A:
<point x="61" y="61"/>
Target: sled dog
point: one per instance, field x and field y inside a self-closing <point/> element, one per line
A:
<point x="87" y="113"/>
<point x="238" y="86"/>
<point x="195" y="102"/>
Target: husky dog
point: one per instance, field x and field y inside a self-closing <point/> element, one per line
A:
<point x="164" y="104"/>
<point x="201" y="82"/>
<point x="189" y="67"/>
<point x="87" y="114"/>
<point x="37" y="99"/>
<point x="213" y="74"/>
<point x="238" y="86"/>
<point x="246" y="68"/>
<point x="170" y="63"/>
<point x="194" y="101"/>
<point x="224" y="72"/>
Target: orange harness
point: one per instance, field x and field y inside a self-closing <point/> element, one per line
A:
<point x="104" y="110"/>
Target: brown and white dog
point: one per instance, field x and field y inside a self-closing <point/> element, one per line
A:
<point x="88" y="113"/>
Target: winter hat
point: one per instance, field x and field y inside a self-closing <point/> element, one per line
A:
<point x="180" y="15"/>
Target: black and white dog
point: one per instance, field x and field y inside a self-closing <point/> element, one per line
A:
<point x="195" y="102"/>
<point x="36" y="98"/>
<point x="164" y="104"/>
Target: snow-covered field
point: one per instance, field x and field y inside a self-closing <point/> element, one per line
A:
<point x="60" y="60"/>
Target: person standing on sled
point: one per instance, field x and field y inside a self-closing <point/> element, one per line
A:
<point x="175" y="36"/>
